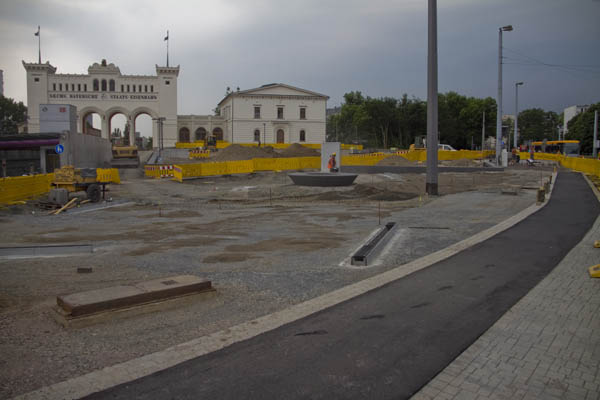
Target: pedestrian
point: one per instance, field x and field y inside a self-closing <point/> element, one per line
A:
<point x="332" y="164"/>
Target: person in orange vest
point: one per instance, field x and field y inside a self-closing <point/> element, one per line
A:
<point x="332" y="164"/>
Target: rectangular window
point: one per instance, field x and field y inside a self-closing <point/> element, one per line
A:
<point x="167" y="82"/>
<point x="140" y="88"/>
<point x="79" y="87"/>
<point x="152" y="88"/>
<point x="72" y="87"/>
<point x="122" y="88"/>
<point x="145" y="88"/>
<point x="133" y="88"/>
<point x="85" y="87"/>
<point x="302" y="113"/>
<point x="257" y="112"/>
<point x="128" y="88"/>
<point x="36" y="79"/>
<point x="54" y="86"/>
<point x="279" y="112"/>
<point x="60" y="87"/>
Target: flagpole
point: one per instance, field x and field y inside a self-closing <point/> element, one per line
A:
<point x="39" y="35"/>
<point x="167" y="48"/>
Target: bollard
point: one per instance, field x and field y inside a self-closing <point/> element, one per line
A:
<point x="541" y="195"/>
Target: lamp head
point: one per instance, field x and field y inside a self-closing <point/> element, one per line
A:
<point x="507" y="28"/>
<point x="519" y="83"/>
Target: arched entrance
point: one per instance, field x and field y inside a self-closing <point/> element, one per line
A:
<point x="119" y="129"/>
<point x="142" y="123"/>
<point x="91" y="124"/>
<point x="200" y="134"/>
<point x="218" y="133"/>
<point x="184" y="135"/>
<point x="280" y="136"/>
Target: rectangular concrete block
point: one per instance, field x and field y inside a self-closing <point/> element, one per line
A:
<point x="123" y="296"/>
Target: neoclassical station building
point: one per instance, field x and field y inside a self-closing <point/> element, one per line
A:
<point x="273" y="113"/>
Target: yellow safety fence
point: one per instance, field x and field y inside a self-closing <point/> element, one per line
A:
<point x="159" y="171"/>
<point x="108" y="175"/>
<point x="364" y="159"/>
<point x="198" y="153"/>
<point x="20" y="188"/>
<point x="588" y="166"/>
<point x="185" y="171"/>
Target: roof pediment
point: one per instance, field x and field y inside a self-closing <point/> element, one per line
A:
<point x="276" y="89"/>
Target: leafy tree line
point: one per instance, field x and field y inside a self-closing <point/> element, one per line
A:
<point x="11" y="115"/>
<point x="581" y="128"/>
<point x="389" y="122"/>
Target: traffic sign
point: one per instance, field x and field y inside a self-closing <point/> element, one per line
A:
<point x="59" y="148"/>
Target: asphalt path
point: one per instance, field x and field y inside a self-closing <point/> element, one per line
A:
<point x="391" y="341"/>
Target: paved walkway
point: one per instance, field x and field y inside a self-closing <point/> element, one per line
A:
<point x="391" y="341"/>
<point x="547" y="346"/>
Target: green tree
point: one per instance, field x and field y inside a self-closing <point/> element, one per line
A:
<point x="536" y="124"/>
<point x="381" y="114"/>
<point x="11" y="115"/>
<point x="581" y="128"/>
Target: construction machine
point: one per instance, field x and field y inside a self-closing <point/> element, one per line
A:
<point x="125" y="157"/>
<point x="69" y="180"/>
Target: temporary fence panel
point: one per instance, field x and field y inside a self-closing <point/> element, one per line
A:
<point x="199" y="153"/>
<point x="20" y="188"/>
<point x="108" y="175"/>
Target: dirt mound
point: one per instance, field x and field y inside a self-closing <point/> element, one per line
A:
<point x="461" y="162"/>
<point x="397" y="161"/>
<point x="236" y="152"/>
<point x="297" y="150"/>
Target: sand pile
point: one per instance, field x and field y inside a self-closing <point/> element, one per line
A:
<point x="297" y="150"/>
<point x="462" y="162"/>
<point x="397" y="161"/>
<point x="236" y="152"/>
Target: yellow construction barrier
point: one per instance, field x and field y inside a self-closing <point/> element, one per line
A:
<point x="199" y="153"/>
<point x="20" y="188"/>
<point x="363" y="159"/>
<point x="108" y="175"/>
<point x="158" y="171"/>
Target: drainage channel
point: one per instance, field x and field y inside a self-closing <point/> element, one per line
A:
<point x="370" y="250"/>
<point x="45" y="251"/>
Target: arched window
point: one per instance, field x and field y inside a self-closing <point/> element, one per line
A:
<point x="111" y="85"/>
<point x="96" y="85"/>
<point x="184" y="135"/>
<point x="104" y="85"/>
<point x="302" y="136"/>
<point x="200" y="134"/>
<point x="256" y="135"/>
<point x="218" y="133"/>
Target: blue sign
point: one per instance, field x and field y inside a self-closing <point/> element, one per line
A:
<point x="59" y="148"/>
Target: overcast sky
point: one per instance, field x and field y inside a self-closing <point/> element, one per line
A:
<point x="376" y="46"/>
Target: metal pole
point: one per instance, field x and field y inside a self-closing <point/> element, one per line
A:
<point x="264" y="133"/>
<point x="167" y="48"/>
<point x="499" y="105"/>
<point x="516" y="112"/>
<point x="595" y="154"/>
<point x="483" y="134"/>
<point x="431" y="182"/>
<point x="39" y="45"/>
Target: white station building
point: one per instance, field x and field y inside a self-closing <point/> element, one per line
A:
<point x="273" y="113"/>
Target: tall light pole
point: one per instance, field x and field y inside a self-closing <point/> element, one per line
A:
<point x="516" y="135"/>
<point x="506" y="28"/>
<point x="431" y="182"/>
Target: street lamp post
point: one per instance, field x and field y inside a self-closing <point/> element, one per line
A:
<point x="431" y="179"/>
<point x="506" y="28"/>
<point x="516" y="134"/>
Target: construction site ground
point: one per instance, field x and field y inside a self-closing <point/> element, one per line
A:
<point x="265" y="244"/>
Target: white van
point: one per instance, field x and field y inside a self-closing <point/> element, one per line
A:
<point x="446" y="147"/>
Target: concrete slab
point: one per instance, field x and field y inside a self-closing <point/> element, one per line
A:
<point x="324" y="179"/>
<point x="123" y="296"/>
